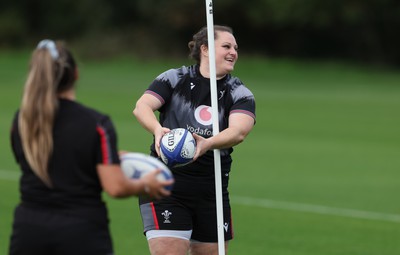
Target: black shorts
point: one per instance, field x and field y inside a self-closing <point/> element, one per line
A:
<point x="192" y="206"/>
<point x="39" y="232"/>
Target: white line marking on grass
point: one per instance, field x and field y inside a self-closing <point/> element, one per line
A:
<point x="299" y="207"/>
<point x="273" y="204"/>
<point x="9" y="175"/>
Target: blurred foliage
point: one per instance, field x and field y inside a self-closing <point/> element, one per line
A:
<point x="357" y="30"/>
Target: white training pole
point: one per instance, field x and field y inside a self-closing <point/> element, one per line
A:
<point x="214" y="107"/>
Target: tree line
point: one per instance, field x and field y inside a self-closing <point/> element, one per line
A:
<point x="356" y="30"/>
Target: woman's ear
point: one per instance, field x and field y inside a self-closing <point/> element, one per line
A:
<point x="204" y="50"/>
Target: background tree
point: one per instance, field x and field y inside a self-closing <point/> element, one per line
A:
<point x="357" y="30"/>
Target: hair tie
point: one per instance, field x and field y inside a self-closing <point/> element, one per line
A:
<point x="50" y="46"/>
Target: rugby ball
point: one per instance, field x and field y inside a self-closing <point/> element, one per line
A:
<point x="177" y="147"/>
<point x="135" y="165"/>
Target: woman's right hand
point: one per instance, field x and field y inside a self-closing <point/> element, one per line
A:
<point x="155" y="188"/>
<point x="158" y="134"/>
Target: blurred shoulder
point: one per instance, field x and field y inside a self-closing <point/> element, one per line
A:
<point x="82" y="111"/>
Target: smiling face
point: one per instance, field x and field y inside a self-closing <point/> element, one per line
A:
<point x="226" y="55"/>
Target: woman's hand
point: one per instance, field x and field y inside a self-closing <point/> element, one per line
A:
<point x="158" y="134"/>
<point x="202" y="145"/>
<point x="155" y="188"/>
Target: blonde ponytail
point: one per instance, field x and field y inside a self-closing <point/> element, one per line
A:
<point x="37" y="111"/>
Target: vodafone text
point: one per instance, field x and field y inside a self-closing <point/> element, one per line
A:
<point x="202" y="132"/>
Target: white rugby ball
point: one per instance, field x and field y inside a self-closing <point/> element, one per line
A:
<point x="177" y="147"/>
<point x="135" y="165"/>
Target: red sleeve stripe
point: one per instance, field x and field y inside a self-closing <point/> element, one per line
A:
<point x="156" y="95"/>
<point x="153" y="210"/>
<point x="104" y="145"/>
<point x="244" y="112"/>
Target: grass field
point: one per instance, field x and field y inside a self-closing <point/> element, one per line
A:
<point x="319" y="174"/>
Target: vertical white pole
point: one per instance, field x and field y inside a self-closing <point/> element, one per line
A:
<point x="214" y="107"/>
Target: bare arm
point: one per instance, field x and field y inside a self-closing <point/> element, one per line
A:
<point x="144" y="113"/>
<point x="116" y="184"/>
<point x="239" y="127"/>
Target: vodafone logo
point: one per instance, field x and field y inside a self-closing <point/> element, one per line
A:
<point x="203" y="115"/>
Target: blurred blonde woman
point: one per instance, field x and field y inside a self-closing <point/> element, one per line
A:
<point x="68" y="155"/>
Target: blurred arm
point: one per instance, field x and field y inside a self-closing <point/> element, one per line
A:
<point x="117" y="185"/>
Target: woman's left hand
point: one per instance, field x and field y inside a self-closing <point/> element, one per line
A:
<point x="202" y="146"/>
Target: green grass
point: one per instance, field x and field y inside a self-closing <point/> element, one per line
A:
<point x="327" y="134"/>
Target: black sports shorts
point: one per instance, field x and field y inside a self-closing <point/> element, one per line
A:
<point x="191" y="206"/>
<point x="39" y="232"/>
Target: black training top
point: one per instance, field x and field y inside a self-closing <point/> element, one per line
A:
<point x="186" y="98"/>
<point x="82" y="138"/>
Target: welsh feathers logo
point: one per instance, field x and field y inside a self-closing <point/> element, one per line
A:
<point x="203" y="115"/>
